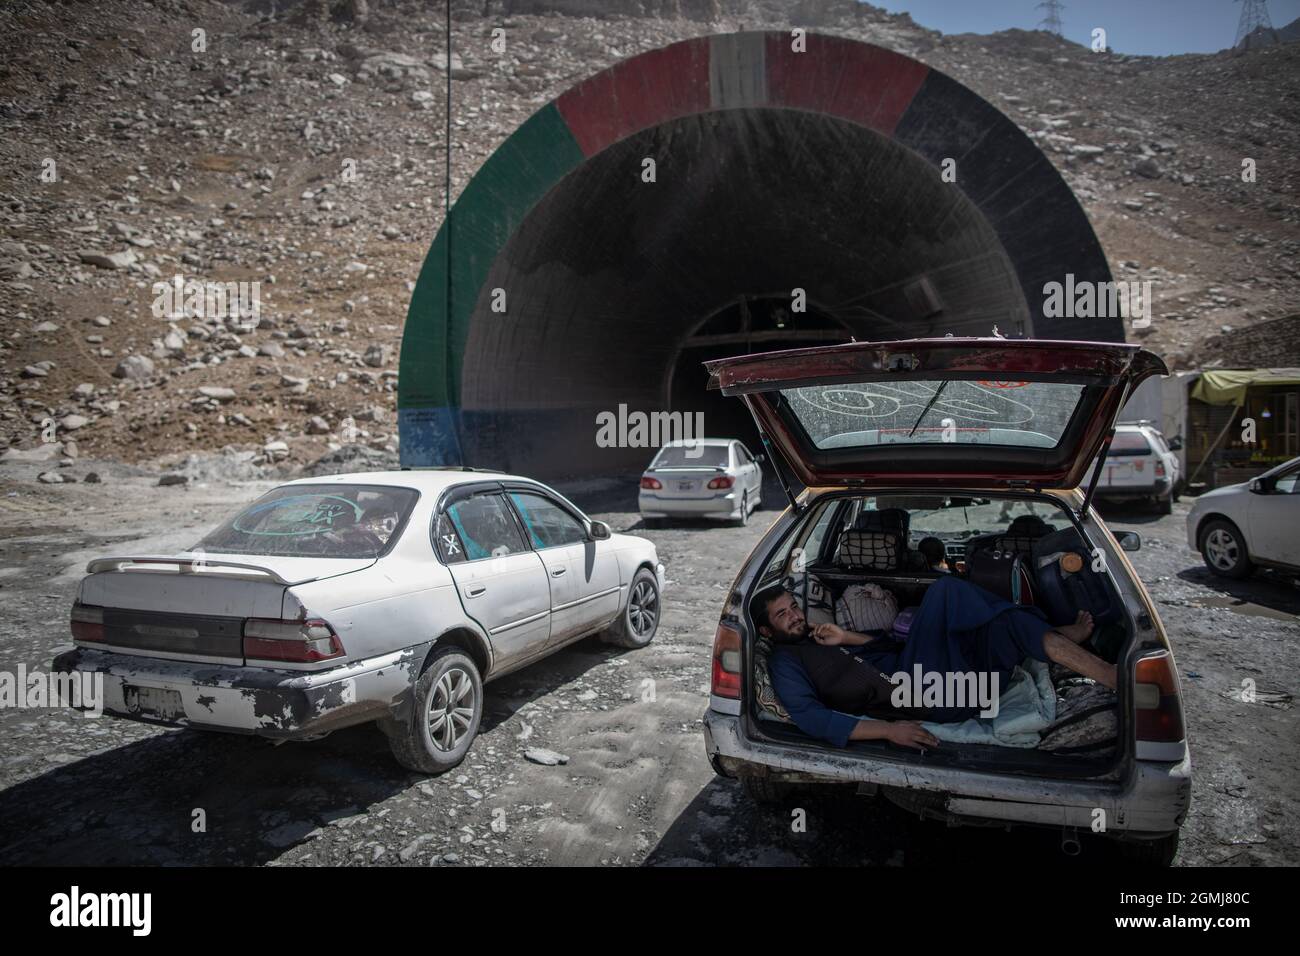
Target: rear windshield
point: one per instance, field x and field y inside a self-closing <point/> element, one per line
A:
<point x="693" y="456"/>
<point x="330" y="521"/>
<point x="1026" y="414"/>
<point x="1129" y="443"/>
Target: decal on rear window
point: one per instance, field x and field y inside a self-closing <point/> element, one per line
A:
<point x="338" y="521"/>
<point x="970" y="412"/>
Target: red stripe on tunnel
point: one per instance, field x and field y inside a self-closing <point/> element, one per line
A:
<point x="638" y="93"/>
<point x="867" y="85"/>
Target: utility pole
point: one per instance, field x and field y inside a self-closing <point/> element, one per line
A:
<point x="1254" y="24"/>
<point x="1051" y="21"/>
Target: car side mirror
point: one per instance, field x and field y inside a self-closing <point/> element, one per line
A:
<point x="599" y="531"/>
<point x="1176" y="443"/>
<point x="1129" y="540"/>
<point x="760" y="458"/>
<point x="1259" y="486"/>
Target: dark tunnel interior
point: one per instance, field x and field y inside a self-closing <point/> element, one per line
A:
<point x="617" y="288"/>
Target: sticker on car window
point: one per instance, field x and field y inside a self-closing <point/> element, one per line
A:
<point x="299" y="515"/>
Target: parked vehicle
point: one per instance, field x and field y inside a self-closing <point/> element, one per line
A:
<point x="1141" y="465"/>
<point x="706" y="478"/>
<point x="385" y="596"/>
<point x="982" y="443"/>
<point x="1257" y="522"/>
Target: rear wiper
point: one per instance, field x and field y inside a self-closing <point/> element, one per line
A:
<point x="929" y="405"/>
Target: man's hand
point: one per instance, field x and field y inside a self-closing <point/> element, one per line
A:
<point x="908" y="733"/>
<point x="830" y="635"/>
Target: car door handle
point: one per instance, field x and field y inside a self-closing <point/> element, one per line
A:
<point x="476" y="590"/>
<point x="558" y="571"/>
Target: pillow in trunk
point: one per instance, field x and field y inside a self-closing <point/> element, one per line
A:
<point x="866" y="607"/>
<point x="764" y="693"/>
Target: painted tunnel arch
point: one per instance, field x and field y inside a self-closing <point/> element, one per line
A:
<point x="774" y="170"/>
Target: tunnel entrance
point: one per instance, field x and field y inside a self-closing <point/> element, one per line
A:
<point x="750" y="324"/>
<point x="677" y="207"/>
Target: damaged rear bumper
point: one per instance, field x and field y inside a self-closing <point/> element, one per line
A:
<point x="279" y="704"/>
<point x="1152" y="801"/>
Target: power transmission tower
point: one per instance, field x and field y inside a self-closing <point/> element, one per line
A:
<point x="1254" y="24"/>
<point x="1051" y="21"/>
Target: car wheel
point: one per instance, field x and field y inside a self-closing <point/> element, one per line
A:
<point x="1165" y="506"/>
<point x="744" y="510"/>
<point x="637" y="625"/>
<point x="447" y="705"/>
<point x="1224" y="550"/>
<point x="763" y="790"/>
<point x="1157" y="852"/>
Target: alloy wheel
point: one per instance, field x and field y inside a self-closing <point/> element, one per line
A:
<point x="451" y="709"/>
<point x="643" y="608"/>
<point x="1222" y="549"/>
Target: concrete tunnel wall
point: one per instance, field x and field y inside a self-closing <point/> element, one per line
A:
<point x="775" y="170"/>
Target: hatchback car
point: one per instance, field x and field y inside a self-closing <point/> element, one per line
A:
<point x="1141" y="466"/>
<point x="982" y="444"/>
<point x="386" y="596"/>
<point x="713" y="478"/>
<point x="1239" y="526"/>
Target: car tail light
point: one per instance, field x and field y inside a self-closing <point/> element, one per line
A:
<point x="87" y="623"/>
<point x="652" y="484"/>
<point x="724" y="481"/>
<point x="1155" y="698"/>
<point x="301" y="642"/>
<point x="726" y="662"/>
<point x="1160" y="469"/>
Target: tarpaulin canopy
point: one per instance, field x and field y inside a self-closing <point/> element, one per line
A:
<point x="1228" y="386"/>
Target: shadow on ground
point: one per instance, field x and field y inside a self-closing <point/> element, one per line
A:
<point x="724" y="826"/>
<point x="136" y="804"/>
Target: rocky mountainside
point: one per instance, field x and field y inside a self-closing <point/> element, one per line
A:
<point x="301" y="146"/>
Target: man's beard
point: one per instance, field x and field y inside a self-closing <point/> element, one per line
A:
<point x="792" y="637"/>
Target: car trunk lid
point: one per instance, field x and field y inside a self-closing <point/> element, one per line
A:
<point x="970" y="412"/>
<point x="193" y="606"/>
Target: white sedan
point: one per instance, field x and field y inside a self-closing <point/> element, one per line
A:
<point x="716" y="478"/>
<point x="1256" y="522"/>
<point x="388" y="596"/>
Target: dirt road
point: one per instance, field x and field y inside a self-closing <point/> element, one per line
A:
<point x="637" y="788"/>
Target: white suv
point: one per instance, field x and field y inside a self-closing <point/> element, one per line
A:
<point x="1141" y="465"/>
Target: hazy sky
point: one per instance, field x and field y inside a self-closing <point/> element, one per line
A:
<point x="1157" y="27"/>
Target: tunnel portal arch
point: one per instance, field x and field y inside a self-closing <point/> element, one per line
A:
<point x="774" y="170"/>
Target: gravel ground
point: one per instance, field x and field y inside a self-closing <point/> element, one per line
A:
<point x="637" y="788"/>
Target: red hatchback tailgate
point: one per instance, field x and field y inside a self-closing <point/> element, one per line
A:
<point x="969" y="412"/>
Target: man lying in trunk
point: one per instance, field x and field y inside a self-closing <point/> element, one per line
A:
<point x="827" y="677"/>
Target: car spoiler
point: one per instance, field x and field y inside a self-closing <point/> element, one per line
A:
<point x="205" y="565"/>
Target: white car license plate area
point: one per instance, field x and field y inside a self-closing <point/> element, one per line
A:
<point x="685" y="486"/>
<point x="156" y="702"/>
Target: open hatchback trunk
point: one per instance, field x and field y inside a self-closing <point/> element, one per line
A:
<point x="967" y="412"/>
<point x="973" y="443"/>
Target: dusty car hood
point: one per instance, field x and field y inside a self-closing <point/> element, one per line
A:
<point x="1013" y="412"/>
